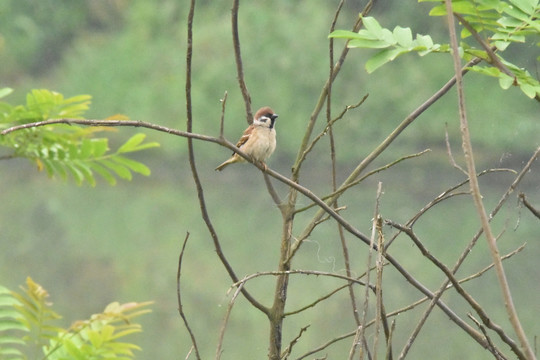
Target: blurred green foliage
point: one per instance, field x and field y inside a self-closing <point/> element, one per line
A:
<point x="64" y="149"/>
<point x="94" y="246"/>
<point x="28" y="330"/>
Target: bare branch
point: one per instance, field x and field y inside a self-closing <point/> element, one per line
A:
<point x="180" y="307"/>
<point x="528" y="205"/>
<point x="222" y="120"/>
<point x="449" y="152"/>
<point x="238" y="59"/>
<point x="271" y="190"/>
<point x="492" y="347"/>
<point x="219" y="350"/>
<point x="328" y="129"/>
<point x="477" y="196"/>
<point x="288" y="349"/>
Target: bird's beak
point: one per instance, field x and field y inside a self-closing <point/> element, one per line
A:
<point x="274" y="116"/>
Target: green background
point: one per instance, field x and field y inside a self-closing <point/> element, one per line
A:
<point x="91" y="246"/>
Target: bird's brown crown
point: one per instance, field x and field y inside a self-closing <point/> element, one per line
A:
<point x="264" y="111"/>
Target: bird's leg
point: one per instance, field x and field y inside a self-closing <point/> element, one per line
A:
<point x="263" y="164"/>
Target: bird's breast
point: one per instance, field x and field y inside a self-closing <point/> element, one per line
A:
<point x="263" y="144"/>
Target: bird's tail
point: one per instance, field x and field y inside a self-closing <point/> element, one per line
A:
<point x="222" y="166"/>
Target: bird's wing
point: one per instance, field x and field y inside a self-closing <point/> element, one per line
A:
<point x="245" y="136"/>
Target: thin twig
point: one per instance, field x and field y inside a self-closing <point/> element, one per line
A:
<point x="492" y="348"/>
<point x="180" y="307"/>
<point x="449" y="151"/>
<point x="222" y="119"/>
<point x="342" y="189"/>
<point x="494" y="60"/>
<point x="528" y="205"/>
<point x="314" y="303"/>
<point x="271" y="190"/>
<point x="289" y="348"/>
<point x="389" y="341"/>
<point x="477" y="196"/>
<point x="379" y="313"/>
<point x="238" y="59"/>
<point x="219" y="348"/>
<point x="328" y="128"/>
<point x="298" y="271"/>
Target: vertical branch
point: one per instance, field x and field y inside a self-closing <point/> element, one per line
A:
<point x="238" y="59"/>
<point x="379" y="313"/>
<point x="277" y="312"/>
<point x="344" y="248"/>
<point x="475" y="190"/>
<point x="179" y="296"/>
<point x="222" y="119"/>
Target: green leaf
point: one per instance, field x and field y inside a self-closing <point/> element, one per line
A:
<point x="77" y="174"/>
<point x="103" y="172"/>
<point x="5" y="92"/>
<point x="505" y="81"/>
<point x="133" y="165"/>
<point x="382" y="58"/>
<point x="527" y="6"/>
<point x="516" y="13"/>
<point x="120" y="170"/>
<point x="424" y="40"/>
<point x="403" y="36"/>
<point x="132" y="143"/>
<point x="530" y="90"/>
<point x="373" y="26"/>
<point x="345" y="34"/>
<point x="368" y="44"/>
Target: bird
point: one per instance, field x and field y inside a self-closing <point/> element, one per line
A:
<point x="258" y="140"/>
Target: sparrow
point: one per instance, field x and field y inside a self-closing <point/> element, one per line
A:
<point x="258" y="140"/>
